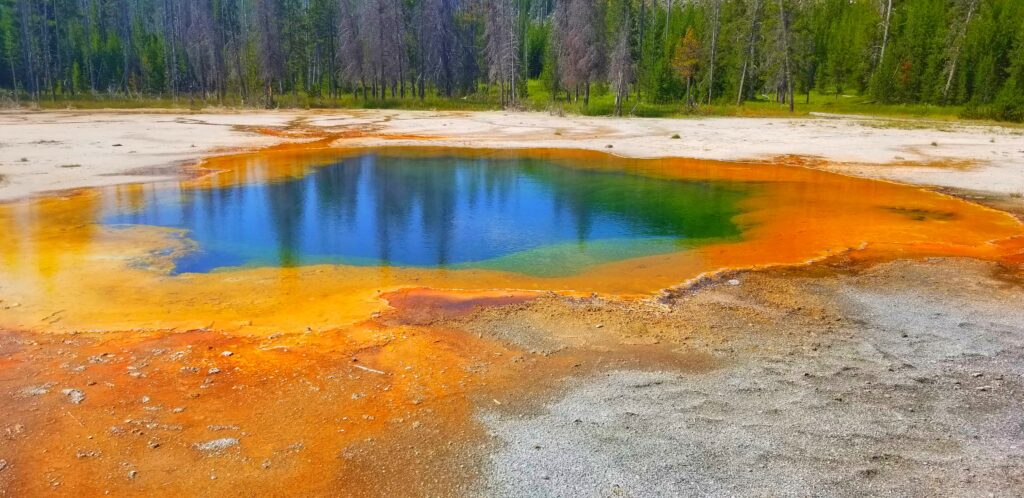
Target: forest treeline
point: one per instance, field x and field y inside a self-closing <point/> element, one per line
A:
<point x="690" y="52"/>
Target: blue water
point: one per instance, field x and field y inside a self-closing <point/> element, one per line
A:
<point x="512" y="213"/>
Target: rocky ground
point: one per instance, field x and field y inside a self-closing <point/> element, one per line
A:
<point x="902" y="379"/>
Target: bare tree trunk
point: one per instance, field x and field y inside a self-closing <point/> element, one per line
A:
<point x="513" y="55"/>
<point x="668" y="21"/>
<point x="14" y="77"/>
<point x="126" y="49"/>
<point x="640" y="58"/>
<point x="526" y="56"/>
<point x="785" y="52"/>
<point x="750" y="50"/>
<point x="60" y="60"/>
<point x="957" y="43"/>
<point x="401" y="63"/>
<point x="87" y="27"/>
<point x="717" y="9"/>
<point x="172" y="64"/>
<point x="47" y="66"/>
<point x="242" y="85"/>
<point x="689" y="103"/>
<point x="885" y="32"/>
<point x="26" y="49"/>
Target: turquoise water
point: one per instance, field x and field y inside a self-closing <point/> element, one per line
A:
<point x="518" y="214"/>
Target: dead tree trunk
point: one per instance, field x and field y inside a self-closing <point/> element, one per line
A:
<point x="716" y="6"/>
<point x="785" y="52"/>
<point x="640" y="51"/>
<point x="957" y="44"/>
<point x="668" y="21"/>
<point x="749" y="59"/>
<point x="885" y="32"/>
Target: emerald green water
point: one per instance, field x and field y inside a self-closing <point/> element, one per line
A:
<point x="512" y="213"/>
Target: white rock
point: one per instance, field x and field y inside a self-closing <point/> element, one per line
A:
<point x="74" y="395"/>
<point x="216" y="444"/>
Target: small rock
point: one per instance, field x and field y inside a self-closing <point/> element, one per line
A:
<point x="178" y="409"/>
<point x="222" y="427"/>
<point x="216" y="445"/>
<point x="74" y="395"/>
<point x="132" y="474"/>
<point x="3" y="465"/>
<point x="977" y="374"/>
<point x="226" y="353"/>
<point x="145" y="399"/>
<point x="984" y="388"/>
<point x="734" y="282"/>
<point x="36" y="390"/>
<point x="213" y="371"/>
<point x="599" y="326"/>
<point x="85" y="454"/>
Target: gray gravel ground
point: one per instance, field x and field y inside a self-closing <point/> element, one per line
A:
<point x="916" y="391"/>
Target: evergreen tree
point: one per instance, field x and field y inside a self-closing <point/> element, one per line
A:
<point x="963" y="52"/>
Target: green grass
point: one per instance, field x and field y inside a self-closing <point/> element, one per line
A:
<point x="539" y="99"/>
<point x="603" y="104"/>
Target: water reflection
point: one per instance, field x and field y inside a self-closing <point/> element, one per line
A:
<point x="439" y="211"/>
<point x="376" y="209"/>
